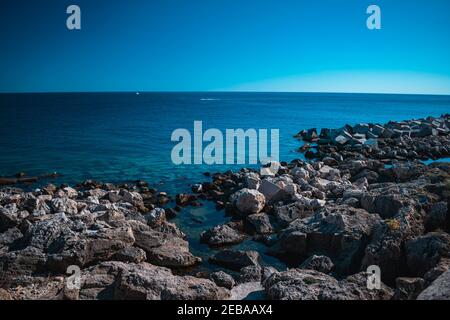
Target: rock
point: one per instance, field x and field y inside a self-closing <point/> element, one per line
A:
<point x="130" y="254"/>
<point x="425" y="252"/>
<point x="197" y="188"/>
<point x="65" y="205"/>
<point x="260" y="222"/>
<point x="235" y="260"/>
<point x="340" y="232"/>
<point x="319" y="263"/>
<point x="408" y="288"/>
<point x="438" y="290"/>
<point x="301" y="284"/>
<point x="8" y="217"/>
<point x="272" y="192"/>
<point x="252" y="180"/>
<point x="437" y="217"/>
<point x="246" y="290"/>
<point x="255" y="273"/>
<point x="156" y="217"/>
<point x="71" y="193"/>
<point x="248" y="201"/>
<point x="117" y="280"/>
<point x="434" y="273"/>
<point x="386" y="248"/>
<point x="165" y="250"/>
<point x="288" y="213"/>
<point x="16" y="267"/>
<point x="222" y="235"/>
<point x="222" y="279"/>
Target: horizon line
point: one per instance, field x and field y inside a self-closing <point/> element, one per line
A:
<point x="223" y="91"/>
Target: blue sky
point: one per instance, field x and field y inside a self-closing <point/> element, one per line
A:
<point x="210" y="45"/>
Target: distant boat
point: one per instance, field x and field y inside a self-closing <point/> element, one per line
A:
<point x="138" y="93"/>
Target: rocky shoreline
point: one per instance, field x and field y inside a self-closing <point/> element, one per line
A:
<point x="364" y="199"/>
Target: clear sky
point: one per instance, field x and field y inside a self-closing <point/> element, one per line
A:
<point x="202" y="45"/>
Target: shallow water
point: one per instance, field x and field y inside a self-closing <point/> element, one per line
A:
<point x="118" y="137"/>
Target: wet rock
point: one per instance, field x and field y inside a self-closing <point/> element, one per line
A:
<point x="222" y="279"/>
<point x="235" y="260"/>
<point x="248" y="201"/>
<point x="222" y="235"/>
<point x="319" y="263"/>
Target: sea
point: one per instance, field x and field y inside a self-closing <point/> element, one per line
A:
<point x="122" y="137"/>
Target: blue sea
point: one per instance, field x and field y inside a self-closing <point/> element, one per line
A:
<point x="119" y="137"/>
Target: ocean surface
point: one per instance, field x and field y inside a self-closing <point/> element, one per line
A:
<point x="119" y="137"/>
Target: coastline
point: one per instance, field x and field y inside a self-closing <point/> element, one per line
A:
<point x="364" y="200"/>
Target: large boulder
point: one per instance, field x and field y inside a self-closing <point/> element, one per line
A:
<point x="339" y="232"/>
<point x="248" y="201"/>
<point x="165" y="249"/>
<point x="117" y="280"/>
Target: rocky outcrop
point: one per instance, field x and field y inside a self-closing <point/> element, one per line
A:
<point x="300" y="284"/>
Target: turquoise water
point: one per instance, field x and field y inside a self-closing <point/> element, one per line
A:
<point x="118" y="137"/>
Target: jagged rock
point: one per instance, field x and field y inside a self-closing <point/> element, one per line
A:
<point x="165" y="249"/>
<point x="130" y="254"/>
<point x="248" y="201"/>
<point x="9" y="216"/>
<point x="437" y="217"/>
<point x="271" y="191"/>
<point x="438" y="290"/>
<point x="425" y="252"/>
<point x="408" y="288"/>
<point x="222" y="279"/>
<point x="301" y="284"/>
<point x="319" y="263"/>
<point x="260" y="222"/>
<point x="65" y="205"/>
<point x="252" y="180"/>
<point x="117" y="280"/>
<point x="222" y="235"/>
<point x="340" y="232"/>
<point x="16" y="267"/>
<point x="156" y="217"/>
<point x="70" y="248"/>
<point x="255" y="273"/>
<point x="235" y="260"/>
<point x="386" y="249"/>
<point x="288" y="213"/>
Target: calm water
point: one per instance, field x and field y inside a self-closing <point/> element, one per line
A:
<point x="124" y="136"/>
